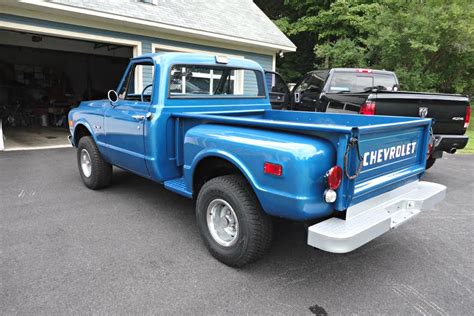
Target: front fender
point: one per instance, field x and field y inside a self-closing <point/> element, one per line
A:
<point x="297" y="194"/>
<point x="92" y="118"/>
<point x="78" y="124"/>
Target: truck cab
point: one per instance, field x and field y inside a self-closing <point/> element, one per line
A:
<point x="204" y="128"/>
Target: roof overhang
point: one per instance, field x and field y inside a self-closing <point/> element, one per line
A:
<point x="139" y="25"/>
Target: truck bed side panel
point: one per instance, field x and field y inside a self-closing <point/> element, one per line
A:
<point x="297" y="194"/>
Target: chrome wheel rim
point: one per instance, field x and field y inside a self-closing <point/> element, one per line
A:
<point x="222" y="222"/>
<point x="86" y="164"/>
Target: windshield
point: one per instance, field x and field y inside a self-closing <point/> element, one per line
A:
<point x="359" y="82"/>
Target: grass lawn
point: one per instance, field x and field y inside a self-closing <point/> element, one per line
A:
<point x="469" y="149"/>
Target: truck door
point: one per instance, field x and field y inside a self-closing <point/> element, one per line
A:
<point x="278" y="90"/>
<point x="307" y="93"/>
<point x="126" y="120"/>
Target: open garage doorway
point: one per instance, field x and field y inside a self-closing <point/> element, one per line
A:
<point x="43" y="77"/>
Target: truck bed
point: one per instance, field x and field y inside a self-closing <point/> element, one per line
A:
<point x="374" y="134"/>
<point x="305" y="122"/>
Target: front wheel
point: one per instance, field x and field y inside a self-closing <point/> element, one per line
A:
<point x="231" y="222"/>
<point x="95" y="172"/>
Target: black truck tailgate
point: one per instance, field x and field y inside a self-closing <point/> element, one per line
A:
<point x="447" y="111"/>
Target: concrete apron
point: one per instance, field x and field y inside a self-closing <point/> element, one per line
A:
<point x="30" y="139"/>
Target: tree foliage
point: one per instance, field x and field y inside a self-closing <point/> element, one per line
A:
<point x="428" y="43"/>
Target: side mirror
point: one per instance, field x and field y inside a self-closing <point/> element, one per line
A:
<point x="113" y="96"/>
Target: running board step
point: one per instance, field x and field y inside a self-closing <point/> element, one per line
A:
<point x="178" y="185"/>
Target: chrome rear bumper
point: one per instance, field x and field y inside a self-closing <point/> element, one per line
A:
<point x="370" y="219"/>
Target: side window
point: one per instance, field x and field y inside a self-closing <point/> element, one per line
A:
<point x="276" y="83"/>
<point x="316" y="84"/>
<point x="303" y="85"/>
<point x="130" y="90"/>
<point x="312" y="83"/>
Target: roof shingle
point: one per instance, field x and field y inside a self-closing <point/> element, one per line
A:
<point x="237" y="18"/>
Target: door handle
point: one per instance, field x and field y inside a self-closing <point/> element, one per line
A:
<point x="148" y="116"/>
<point x="139" y="117"/>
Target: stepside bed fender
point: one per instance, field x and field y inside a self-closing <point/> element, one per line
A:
<point x="296" y="194"/>
<point x="220" y="154"/>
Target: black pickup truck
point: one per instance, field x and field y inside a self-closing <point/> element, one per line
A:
<point x="376" y="92"/>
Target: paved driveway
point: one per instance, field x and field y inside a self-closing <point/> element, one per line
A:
<point x="134" y="248"/>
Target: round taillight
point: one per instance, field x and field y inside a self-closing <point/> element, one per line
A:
<point x="334" y="177"/>
<point x="430" y="150"/>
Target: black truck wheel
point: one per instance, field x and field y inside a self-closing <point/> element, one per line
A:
<point x="231" y="222"/>
<point x="430" y="162"/>
<point x="95" y="172"/>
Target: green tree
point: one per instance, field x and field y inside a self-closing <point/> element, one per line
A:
<point x="429" y="43"/>
<point x="286" y="14"/>
<point x="343" y="31"/>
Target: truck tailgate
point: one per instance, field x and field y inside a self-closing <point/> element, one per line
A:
<point x="447" y="111"/>
<point x="391" y="157"/>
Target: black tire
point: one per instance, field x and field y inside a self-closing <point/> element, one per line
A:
<point x="430" y="162"/>
<point x="254" y="235"/>
<point x="101" y="171"/>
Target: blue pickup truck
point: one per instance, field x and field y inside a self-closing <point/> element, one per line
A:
<point x="204" y="128"/>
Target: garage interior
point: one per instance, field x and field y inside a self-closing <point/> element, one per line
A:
<point x="43" y="77"/>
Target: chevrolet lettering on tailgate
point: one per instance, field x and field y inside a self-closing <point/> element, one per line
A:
<point x="389" y="153"/>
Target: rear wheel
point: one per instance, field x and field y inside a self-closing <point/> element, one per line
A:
<point x="232" y="225"/>
<point x="95" y="172"/>
<point x="430" y="162"/>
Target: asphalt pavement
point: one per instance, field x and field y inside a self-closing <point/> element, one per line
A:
<point x="134" y="248"/>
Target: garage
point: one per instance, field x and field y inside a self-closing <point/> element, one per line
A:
<point x="56" y="53"/>
<point x="42" y="77"/>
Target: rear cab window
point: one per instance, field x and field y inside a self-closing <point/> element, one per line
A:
<point x="359" y="82"/>
<point x="197" y="81"/>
